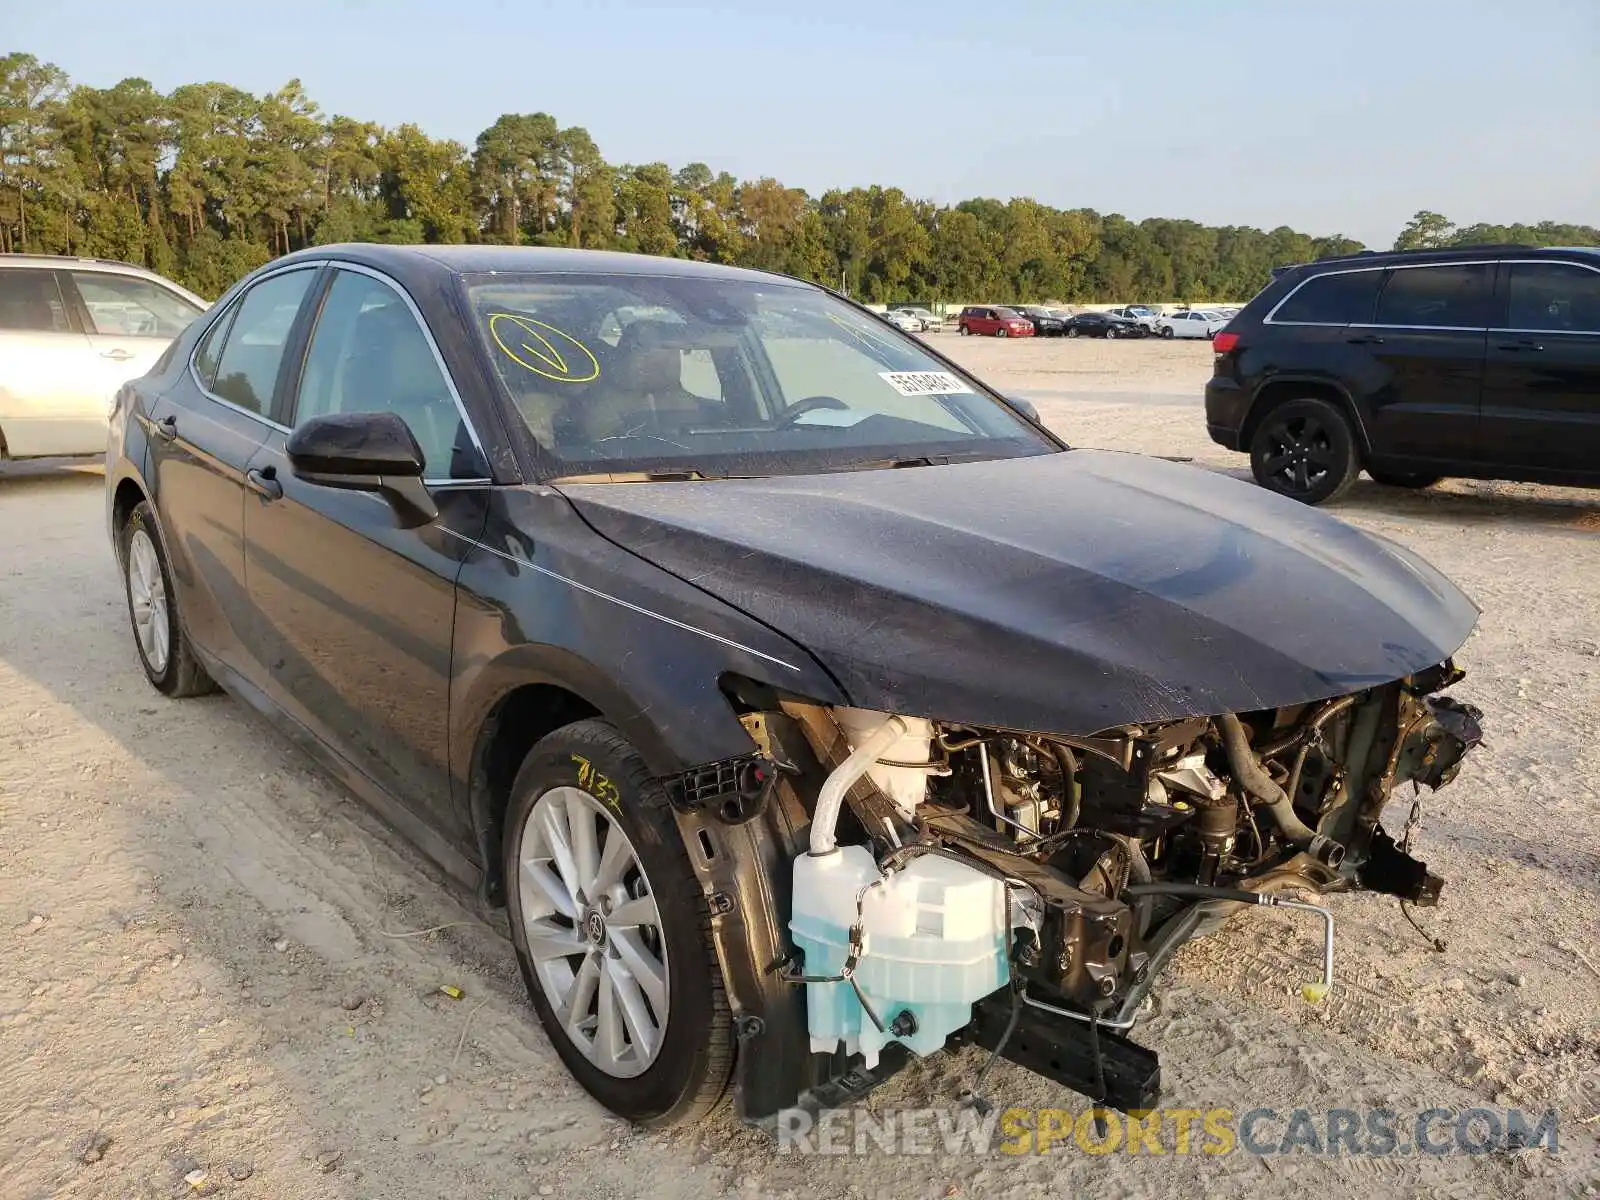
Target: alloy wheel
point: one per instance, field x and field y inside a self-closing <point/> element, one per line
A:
<point x="147" y="596"/>
<point x="594" y="931"/>
<point x="1300" y="451"/>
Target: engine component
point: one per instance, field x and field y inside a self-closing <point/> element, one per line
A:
<point x="1252" y="776"/>
<point x="897" y="957"/>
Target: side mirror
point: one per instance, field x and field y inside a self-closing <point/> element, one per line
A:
<point x="365" y="452"/>
<point x="1025" y="407"/>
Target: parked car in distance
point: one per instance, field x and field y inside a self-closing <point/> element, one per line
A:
<point x="1047" y="322"/>
<point x="1190" y="323"/>
<point x="72" y="330"/>
<point x="640" y="594"/>
<point x="924" y="315"/>
<point x="993" y="321"/>
<point x="1475" y="361"/>
<point x="1144" y="317"/>
<point x="1102" y="325"/>
<point x="906" y="321"/>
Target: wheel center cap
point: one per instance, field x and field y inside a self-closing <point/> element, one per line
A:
<point x="594" y="927"/>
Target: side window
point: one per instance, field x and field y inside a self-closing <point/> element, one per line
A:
<point x="30" y="302"/>
<point x="1557" y="297"/>
<point x="130" y="307"/>
<point x="247" y="368"/>
<point x="210" y="349"/>
<point x="368" y="354"/>
<point x="1344" y="298"/>
<point x="1437" y="297"/>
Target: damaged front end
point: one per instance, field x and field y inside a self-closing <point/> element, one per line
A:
<point x="882" y="886"/>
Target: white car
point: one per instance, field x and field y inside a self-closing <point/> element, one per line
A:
<point x="1139" y="315"/>
<point x="925" y="316"/>
<point x="906" y="320"/>
<point x="72" y="331"/>
<point x="1191" y="324"/>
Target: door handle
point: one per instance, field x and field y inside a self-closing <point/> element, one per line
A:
<point x="264" y="482"/>
<point x="166" y="428"/>
<point x="1365" y="339"/>
<point x="116" y="355"/>
<point x="1524" y="344"/>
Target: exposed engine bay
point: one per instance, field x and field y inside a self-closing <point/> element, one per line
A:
<point x="1022" y="891"/>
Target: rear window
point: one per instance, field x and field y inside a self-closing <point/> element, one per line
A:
<point x="1344" y="298"/>
<point x="1443" y="297"/>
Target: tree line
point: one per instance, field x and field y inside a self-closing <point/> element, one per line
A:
<point x="209" y="181"/>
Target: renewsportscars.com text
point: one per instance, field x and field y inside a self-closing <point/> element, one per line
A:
<point x="1350" y="1132"/>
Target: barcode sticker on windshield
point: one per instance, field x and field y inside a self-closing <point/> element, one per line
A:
<point x="923" y="383"/>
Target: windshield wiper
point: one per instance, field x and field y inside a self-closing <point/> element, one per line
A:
<point x="686" y="475"/>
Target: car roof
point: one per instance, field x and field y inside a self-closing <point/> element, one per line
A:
<point x="1441" y="254"/>
<point x="533" y="260"/>
<point x="110" y="266"/>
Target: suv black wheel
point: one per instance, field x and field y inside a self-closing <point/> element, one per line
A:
<point x="612" y="930"/>
<point x="168" y="659"/>
<point x="1404" y="479"/>
<point x="1305" y="449"/>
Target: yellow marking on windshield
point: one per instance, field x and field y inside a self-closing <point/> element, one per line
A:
<point x="536" y="352"/>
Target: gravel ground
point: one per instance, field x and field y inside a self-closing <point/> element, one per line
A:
<point x="213" y="975"/>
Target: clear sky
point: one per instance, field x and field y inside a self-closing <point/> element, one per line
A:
<point x="1342" y="116"/>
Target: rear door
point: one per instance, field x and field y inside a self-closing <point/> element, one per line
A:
<point x="1426" y="342"/>
<point x="354" y="615"/>
<point x="1541" y="387"/>
<point x="49" y="403"/>
<point x="202" y="434"/>
<point x="129" y="321"/>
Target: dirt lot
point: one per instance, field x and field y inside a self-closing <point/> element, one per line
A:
<point x="211" y="958"/>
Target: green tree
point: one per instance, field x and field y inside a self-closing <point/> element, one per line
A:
<point x="1424" y="231"/>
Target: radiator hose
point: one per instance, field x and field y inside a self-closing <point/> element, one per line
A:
<point x="1253" y="777"/>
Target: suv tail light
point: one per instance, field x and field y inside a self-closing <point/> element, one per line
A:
<point x="1225" y="342"/>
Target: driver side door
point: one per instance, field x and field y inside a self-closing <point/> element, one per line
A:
<point x="354" y="614"/>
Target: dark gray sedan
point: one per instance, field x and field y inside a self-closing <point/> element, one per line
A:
<point x="723" y="633"/>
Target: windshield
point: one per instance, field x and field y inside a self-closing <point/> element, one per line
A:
<point x="616" y="374"/>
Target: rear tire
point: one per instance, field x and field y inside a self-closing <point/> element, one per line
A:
<point x="1305" y="449"/>
<point x="163" y="647"/>
<point x="1404" y="479"/>
<point x="647" y="1030"/>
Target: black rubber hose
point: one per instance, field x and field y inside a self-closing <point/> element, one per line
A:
<point x="1193" y="891"/>
<point x="1068" y="762"/>
<point x="1249" y="774"/>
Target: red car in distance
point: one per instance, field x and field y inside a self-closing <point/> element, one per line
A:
<point x="994" y="321"/>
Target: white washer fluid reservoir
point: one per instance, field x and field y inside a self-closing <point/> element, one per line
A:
<point x="934" y="943"/>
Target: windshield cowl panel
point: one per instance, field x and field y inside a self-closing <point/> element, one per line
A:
<point x="619" y="374"/>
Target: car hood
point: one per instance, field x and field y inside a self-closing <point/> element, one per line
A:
<point x="1066" y="593"/>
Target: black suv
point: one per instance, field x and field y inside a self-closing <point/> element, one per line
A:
<point x="1481" y="361"/>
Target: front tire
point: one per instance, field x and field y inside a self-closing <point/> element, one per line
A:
<point x="163" y="647"/>
<point x="1001" y="332"/>
<point x="1072" y="332"/>
<point x="1404" y="479"/>
<point x="1166" y="331"/>
<point x="1305" y="449"/>
<point x="612" y="931"/>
